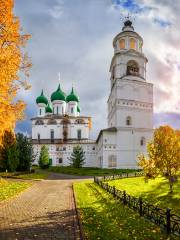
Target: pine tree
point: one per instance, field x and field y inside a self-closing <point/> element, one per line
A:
<point x="25" y="152"/>
<point x="12" y="158"/>
<point x="44" y="157"/>
<point x="77" y="158"/>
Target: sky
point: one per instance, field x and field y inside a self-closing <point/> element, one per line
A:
<point x="74" y="37"/>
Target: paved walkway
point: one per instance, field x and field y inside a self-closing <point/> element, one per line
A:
<point x="44" y="211"/>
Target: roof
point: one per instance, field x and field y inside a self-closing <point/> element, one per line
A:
<point x="48" y="109"/>
<point x="112" y="129"/>
<point x="58" y="95"/>
<point x="42" y="99"/>
<point x="72" y="97"/>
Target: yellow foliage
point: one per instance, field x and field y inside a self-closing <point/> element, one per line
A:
<point x="12" y="61"/>
<point x="163" y="155"/>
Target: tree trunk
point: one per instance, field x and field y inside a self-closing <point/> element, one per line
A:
<point x="170" y="185"/>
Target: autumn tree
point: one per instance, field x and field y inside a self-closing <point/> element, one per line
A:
<point x="13" y="61"/>
<point x="9" y="153"/>
<point x="77" y="159"/>
<point x="163" y="155"/>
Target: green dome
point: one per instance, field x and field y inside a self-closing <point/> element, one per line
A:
<point x="58" y="95"/>
<point x="72" y="97"/>
<point x="48" y="109"/>
<point x="78" y="109"/>
<point x="42" y="99"/>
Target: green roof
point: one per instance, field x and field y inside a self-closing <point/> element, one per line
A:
<point x="78" y="109"/>
<point x="48" y="109"/>
<point x="58" y="95"/>
<point x="72" y="97"/>
<point x="42" y="99"/>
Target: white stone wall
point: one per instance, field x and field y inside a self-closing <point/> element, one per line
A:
<point x="72" y="109"/>
<point x="45" y="129"/>
<point x="64" y="151"/>
<point x="130" y="96"/>
<point x="59" y="107"/>
<point x="120" y="64"/>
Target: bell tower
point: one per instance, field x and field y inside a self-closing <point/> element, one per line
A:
<point x="130" y="102"/>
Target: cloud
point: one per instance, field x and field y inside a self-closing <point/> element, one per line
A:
<point x="57" y="10"/>
<point x="168" y="118"/>
<point x="75" y="38"/>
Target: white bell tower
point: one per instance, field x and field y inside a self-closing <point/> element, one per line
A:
<point x="130" y="103"/>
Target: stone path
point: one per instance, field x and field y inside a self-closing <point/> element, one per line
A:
<point x="44" y="211"/>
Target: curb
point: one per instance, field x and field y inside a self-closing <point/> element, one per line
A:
<point x="78" y="217"/>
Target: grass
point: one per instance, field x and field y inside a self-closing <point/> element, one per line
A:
<point x="105" y="218"/>
<point x="39" y="174"/>
<point x="155" y="191"/>
<point x="87" y="171"/>
<point x="10" y="189"/>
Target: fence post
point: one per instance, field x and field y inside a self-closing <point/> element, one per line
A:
<point x="124" y="197"/>
<point x="127" y="174"/>
<point x="135" y="174"/>
<point x="94" y="179"/>
<point x="140" y="206"/>
<point x="168" y="220"/>
<point x="114" y="191"/>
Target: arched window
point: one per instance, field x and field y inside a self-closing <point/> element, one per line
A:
<point x="143" y="141"/>
<point x="39" y="122"/>
<point x="39" y="138"/>
<point x="132" y="68"/>
<point x="113" y="73"/>
<point x="40" y="111"/>
<point x="132" y="43"/>
<point x="72" y="110"/>
<point x="122" y="44"/>
<point x="79" y="134"/>
<point x="52" y="135"/>
<point x="52" y="122"/>
<point x="79" y="121"/>
<point x="128" y="121"/>
<point x="112" y="161"/>
<point x="57" y="110"/>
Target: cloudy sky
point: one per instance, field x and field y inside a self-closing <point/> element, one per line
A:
<point x="74" y="37"/>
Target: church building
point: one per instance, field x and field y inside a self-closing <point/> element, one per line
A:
<point x="60" y="125"/>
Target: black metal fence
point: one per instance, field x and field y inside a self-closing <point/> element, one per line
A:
<point x="163" y="218"/>
<point x="121" y="175"/>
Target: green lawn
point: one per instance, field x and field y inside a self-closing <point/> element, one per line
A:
<point x="107" y="219"/>
<point x="86" y="171"/>
<point x="9" y="189"/>
<point x="39" y="174"/>
<point x="155" y="191"/>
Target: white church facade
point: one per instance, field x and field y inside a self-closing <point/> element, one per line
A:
<point x="130" y="113"/>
